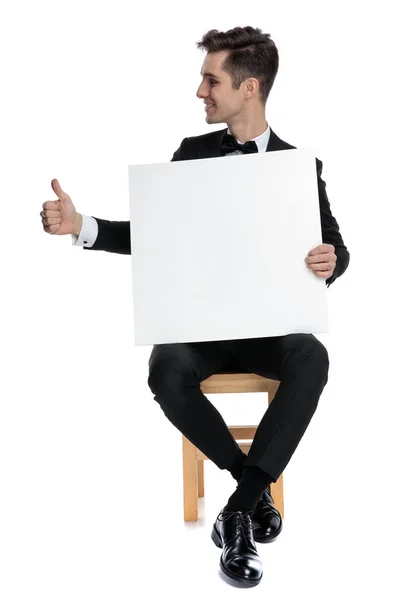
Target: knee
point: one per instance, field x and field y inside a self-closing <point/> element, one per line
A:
<point x="170" y="383"/>
<point x="310" y="359"/>
<point x="314" y="354"/>
<point x="169" y="376"/>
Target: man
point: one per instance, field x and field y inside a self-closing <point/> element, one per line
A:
<point x="237" y="75"/>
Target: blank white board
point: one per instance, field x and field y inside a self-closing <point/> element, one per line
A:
<point x="219" y="246"/>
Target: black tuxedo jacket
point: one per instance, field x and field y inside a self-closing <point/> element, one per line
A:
<point x="114" y="236"/>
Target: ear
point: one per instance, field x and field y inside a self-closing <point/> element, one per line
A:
<point x="252" y="86"/>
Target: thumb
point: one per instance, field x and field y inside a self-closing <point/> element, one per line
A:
<point x="57" y="189"/>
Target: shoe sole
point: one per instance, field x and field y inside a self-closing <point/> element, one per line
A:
<point x="217" y="541"/>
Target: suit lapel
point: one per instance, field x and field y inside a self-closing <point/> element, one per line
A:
<point x="275" y="143"/>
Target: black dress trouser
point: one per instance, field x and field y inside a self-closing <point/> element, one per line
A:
<point x="299" y="361"/>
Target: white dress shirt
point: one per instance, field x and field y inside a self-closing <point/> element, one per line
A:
<point x="90" y="229"/>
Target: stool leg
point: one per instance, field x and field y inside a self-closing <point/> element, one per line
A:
<point x="277" y="494"/>
<point x="189" y="480"/>
<point x="276" y="488"/>
<point x="200" y="478"/>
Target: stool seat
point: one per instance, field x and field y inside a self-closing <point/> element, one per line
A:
<point x="193" y="459"/>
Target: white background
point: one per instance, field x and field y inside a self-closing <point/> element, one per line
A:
<point x="90" y="469"/>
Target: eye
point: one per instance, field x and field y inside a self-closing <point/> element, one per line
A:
<point x="212" y="81"/>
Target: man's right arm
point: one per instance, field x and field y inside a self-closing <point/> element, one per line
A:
<point x="100" y="234"/>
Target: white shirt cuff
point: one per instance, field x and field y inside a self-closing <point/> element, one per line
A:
<point x="88" y="234"/>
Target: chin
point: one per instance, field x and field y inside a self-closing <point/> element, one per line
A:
<point x="213" y="119"/>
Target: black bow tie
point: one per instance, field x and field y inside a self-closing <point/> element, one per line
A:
<point x="230" y="144"/>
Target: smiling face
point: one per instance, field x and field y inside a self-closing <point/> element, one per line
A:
<point x="216" y="88"/>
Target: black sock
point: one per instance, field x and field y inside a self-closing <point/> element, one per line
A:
<point x="249" y="490"/>
<point x="237" y="468"/>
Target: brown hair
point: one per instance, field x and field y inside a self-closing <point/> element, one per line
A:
<point x="252" y="54"/>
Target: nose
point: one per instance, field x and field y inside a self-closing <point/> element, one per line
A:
<point x="202" y="91"/>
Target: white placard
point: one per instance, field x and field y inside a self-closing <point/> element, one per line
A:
<point x="218" y="248"/>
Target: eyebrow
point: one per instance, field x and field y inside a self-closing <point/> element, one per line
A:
<point x="210" y="75"/>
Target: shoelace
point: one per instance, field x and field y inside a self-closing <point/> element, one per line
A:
<point x="245" y="522"/>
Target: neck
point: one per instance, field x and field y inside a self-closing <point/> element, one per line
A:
<point x="244" y="132"/>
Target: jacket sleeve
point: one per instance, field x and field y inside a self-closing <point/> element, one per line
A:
<point x="115" y="236"/>
<point x="330" y="229"/>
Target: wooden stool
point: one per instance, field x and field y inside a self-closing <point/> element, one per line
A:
<point x="193" y="459"/>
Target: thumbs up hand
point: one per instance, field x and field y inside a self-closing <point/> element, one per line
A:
<point x="59" y="216"/>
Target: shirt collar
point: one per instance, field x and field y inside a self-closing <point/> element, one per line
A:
<point x="261" y="140"/>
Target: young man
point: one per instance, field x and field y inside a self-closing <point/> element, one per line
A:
<point x="237" y="75"/>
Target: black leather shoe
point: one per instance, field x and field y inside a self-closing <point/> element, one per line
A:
<point x="267" y="521"/>
<point x="233" y="532"/>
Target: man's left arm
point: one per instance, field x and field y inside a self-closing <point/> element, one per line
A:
<point x="330" y="229"/>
